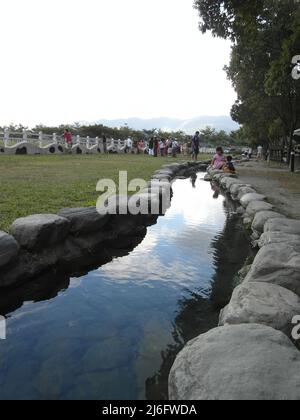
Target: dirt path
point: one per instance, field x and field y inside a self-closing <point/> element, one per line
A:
<point x="281" y="187"/>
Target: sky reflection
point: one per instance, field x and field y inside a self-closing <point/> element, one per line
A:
<point x="113" y="333"/>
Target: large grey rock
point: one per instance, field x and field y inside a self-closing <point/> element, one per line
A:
<point x="163" y="189"/>
<point x="9" y="248"/>
<point x="163" y="177"/>
<point x="242" y="273"/>
<point x="262" y="303"/>
<point x="208" y="177"/>
<point x="240" y="211"/>
<point x="257" y="206"/>
<point x="84" y="220"/>
<point x="235" y="188"/>
<point x="215" y="172"/>
<point x="248" y="198"/>
<point x="262" y="217"/>
<point x="277" y="264"/>
<point x="79" y="252"/>
<point x="237" y="362"/>
<point x="184" y="165"/>
<point x="219" y="176"/>
<point x="285" y="226"/>
<point x="247" y="221"/>
<point x="165" y="172"/>
<point x="126" y="225"/>
<point x="40" y="230"/>
<point x="245" y="190"/>
<point x="226" y="182"/>
<point x="113" y="205"/>
<point x="146" y="203"/>
<point x="268" y="238"/>
<point x="173" y="166"/>
<point x="201" y="167"/>
<point x="157" y="185"/>
<point x="29" y="264"/>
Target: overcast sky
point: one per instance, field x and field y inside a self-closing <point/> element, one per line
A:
<point x="70" y="60"/>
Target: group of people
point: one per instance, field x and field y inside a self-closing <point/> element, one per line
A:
<point x="169" y="147"/>
<point x="222" y="162"/>
<point x="134" y="146"/>
<point x="259" y="153"/>
<point x="163" y="147"/>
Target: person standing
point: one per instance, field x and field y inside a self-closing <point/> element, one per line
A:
<point x="128" y="145"/>
<point x="162" y="147"/>
<point x="136" y="149"/>
<point x="104" y="141"/>
<point x="174" y="147"/>
<point x="195" y="145"/>
<point x="168" y="144"/>
<point x="259" y="152"/>
<point x="68" y="138"/>
<point x="151" y="146"/>
<point x="155" y="146"/>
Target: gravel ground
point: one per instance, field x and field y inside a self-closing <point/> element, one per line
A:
<point x="281" y="187"/>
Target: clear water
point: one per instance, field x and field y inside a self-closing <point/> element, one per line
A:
<point x="114" y="333"/>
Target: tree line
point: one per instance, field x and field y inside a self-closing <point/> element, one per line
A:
<point x="265" y="37"/>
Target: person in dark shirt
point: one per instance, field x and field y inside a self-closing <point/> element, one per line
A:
<point x="104" y="140"/>
<point x="151" y="147"/>
<point x="195" y="145"/>
<point x="155" y="146"/>
<point x="229" y="167"/>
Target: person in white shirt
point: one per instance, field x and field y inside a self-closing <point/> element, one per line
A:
<point x="128" y="146"/>
<point x="259" y="153"/>
<point x="162" y="147"/>
<point x="174" y="148"/>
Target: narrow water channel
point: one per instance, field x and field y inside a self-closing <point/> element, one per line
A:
<point x="114" y="333"/>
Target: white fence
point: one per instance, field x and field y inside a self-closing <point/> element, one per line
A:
<point x="27" y="142"/>
<point x="31" y="143"/>
<point x="207" y="150"/>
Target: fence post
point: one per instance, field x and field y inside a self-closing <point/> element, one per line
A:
<point x="24" y="135"/>
<point x="54" y="138"/>
<point x="97" y="141"/>
<point x="41" y="139"/>
<point x="6" y="137"/>
<point x="78" y="139"/>
<point x="293" y="162"/>
<point x="88" y="142"/>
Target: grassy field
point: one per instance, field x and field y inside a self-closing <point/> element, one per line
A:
<point x="45" y="184"/>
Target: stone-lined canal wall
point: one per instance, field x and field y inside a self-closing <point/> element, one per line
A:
<point x="79" y="240"/>
<point x="251" y="355"/>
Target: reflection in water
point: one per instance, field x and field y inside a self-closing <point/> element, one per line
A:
<point x="196" y="313"/>
<point x="114" y="333"/>
<point x="216" y="189"/>
<point x="193" y="180"/>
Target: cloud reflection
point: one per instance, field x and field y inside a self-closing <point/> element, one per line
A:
<point x="177" y="249"/>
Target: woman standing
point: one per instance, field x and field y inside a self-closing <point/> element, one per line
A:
<point x="155" y="147"/>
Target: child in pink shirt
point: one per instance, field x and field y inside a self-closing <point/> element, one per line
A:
<point x="219" y="159"/>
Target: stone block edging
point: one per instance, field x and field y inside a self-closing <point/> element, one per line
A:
<point x="249" y="354"/>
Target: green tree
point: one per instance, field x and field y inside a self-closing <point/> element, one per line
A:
<point x="265" y="37"/>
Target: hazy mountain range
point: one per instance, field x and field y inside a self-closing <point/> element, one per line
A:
<point x="189" y="126"/>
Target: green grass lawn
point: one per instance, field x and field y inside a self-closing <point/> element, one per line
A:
<point x="46" y="184"/>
